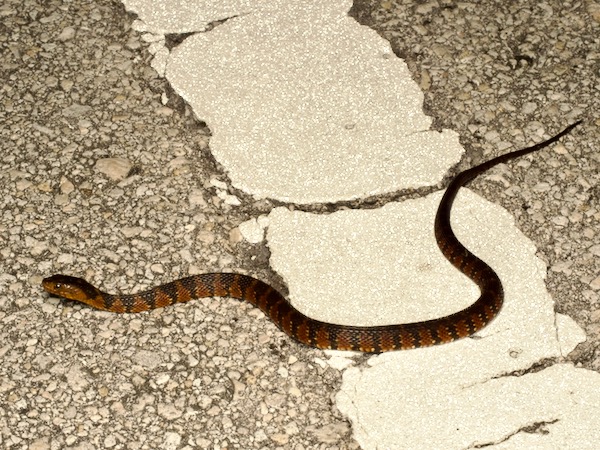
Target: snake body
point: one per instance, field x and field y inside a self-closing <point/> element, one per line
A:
<point x="314" y="333"/>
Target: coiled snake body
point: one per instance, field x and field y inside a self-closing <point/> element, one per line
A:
<point x="374" y="339"/>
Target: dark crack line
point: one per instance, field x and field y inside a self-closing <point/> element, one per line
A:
<point x="534" y="428"/>
<point x="173" y="40"/>
<point x="536" y="367"/>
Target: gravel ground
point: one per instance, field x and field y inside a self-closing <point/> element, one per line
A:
<point x="77" y="89"/>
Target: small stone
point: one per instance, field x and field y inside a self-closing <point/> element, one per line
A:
<point x="192" y="362"/>
<point x="51" y="81"/>
<point x="157" y="268"/>
<point x="178" y="162"/>
<point x="292" y="428"/>
<point x="595" y="283"/>
<point x="77" y="379"/>
<point x="169" y="412"/>
<point x="129" y="232"/>
<point x="260" y="436"/>
<point x="330" y="434"/>
<point x="114" y="168"/>
<point x="252" y="231"/>
<point x="164" y="111"/>
<point x="275" y="400"/>
<point x="36" y="247"/>
<point x="43" y="129"/>
<point x="23" y="184"/>
<point x="133" y="43"/>
<point x="66" y="85"/>
<point x="66" y="187"/>
<point x="542" y="187"/>
<point x="226" y="422"/>
<point x="110" y="441"/>
<point x="196" y="198"/>
<point x="44" y="186"/>
<point x="207" y="237"/>
<point x="76" y="110"/>
<point x="172" y="441"/>
<point x="235" y="236"/>
<point x="295" y="392"/>
<point x="280" y="438"/>
<point x="426" y="8"/>
<point x="232" y="200"/>
<point x="61" y="199"/>
<point x="560" y="220"/>
<point x="66" y="34"/>
<point x="594" y="11"/>
<point x="145" y="358"/>
<point x="163" y="379"/>
<point x="529" y="107"/>
<point x="218" y="183"/>
<point x="40" y="444"/>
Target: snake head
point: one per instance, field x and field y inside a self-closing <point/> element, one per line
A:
<point x="71" y="288"/>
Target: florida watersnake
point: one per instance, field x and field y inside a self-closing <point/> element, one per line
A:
<point x="370" y="339"/>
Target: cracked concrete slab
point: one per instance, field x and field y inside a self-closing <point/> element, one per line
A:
<point x="323" y="259"/>
<point x="304" y="106"/>
<point x="447" y="405"/>
<point x="392" y="255"/>
<point x="332" y="117"/>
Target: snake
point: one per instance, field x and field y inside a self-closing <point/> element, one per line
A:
<point x="325" y="335"/>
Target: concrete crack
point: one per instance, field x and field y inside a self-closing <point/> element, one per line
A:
<point x="533" y="428"/>
<point x="173" y="40"/>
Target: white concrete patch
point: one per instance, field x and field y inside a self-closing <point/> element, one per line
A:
<point x="375" y="267"/>
<point x="409" y="403"/>
<point x="305" y="105"/>
<point x="187" y="16"/>
<point x="570" y="335"/>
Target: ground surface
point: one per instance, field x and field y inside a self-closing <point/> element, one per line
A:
<point x="71" y="378"/>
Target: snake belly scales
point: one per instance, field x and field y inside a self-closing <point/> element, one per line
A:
<point x="314" y="333"/>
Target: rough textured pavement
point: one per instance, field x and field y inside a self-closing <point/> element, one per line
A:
<point x="107" y="174"/>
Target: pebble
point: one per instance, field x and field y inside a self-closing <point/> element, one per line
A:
<point x="114" y="168"/>
<point x="76" y="110"/>
<point x="172" y="441"/>
<point x="168" y="411"/>
<point x="252" y="231"/>
<point x="196" y="198"/>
